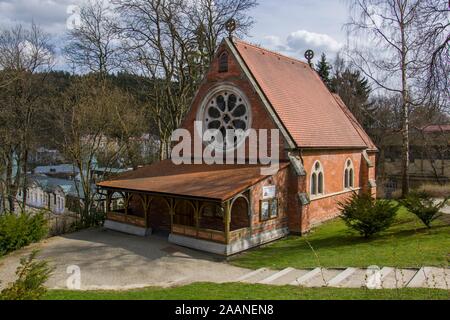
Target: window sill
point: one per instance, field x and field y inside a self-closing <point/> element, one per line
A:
<point x="329" y="195"/>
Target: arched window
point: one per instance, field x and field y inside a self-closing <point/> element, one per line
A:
<point x="317" y="179"/>
<point x="223" y="62"/>
<point x="349" y="175"/>
<point x="314" y="183"/>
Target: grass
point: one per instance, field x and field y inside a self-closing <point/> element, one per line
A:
<point x="240" y="291"/>
<point x="406" y="244"/>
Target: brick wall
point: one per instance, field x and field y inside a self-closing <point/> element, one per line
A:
<point x="325" y="207"/>
<point x="281" y="181"/>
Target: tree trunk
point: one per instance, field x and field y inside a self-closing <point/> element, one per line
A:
<point x="25" y="182"/>
<point x="405" y="106"/>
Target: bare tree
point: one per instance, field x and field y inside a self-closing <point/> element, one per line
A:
<point x="161" y="47"/>
<point x="209" y="18"/>
<point x="93" y="43"/>
<point x="95" y="120"/>
<point x="171" y="43"/>
<point x="433" y="29"/>
<point x="26" y="56"/>
<point x="388" y="54"/>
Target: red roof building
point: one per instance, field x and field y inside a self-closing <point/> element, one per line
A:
<point x="324" y="156"/>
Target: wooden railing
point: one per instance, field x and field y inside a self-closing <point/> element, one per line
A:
<point x="210" y="235"/>
<point x="127" y="219"/>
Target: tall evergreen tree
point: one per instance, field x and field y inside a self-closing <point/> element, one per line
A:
<point x="323" y="68"/>
<point x="354" y="89"/>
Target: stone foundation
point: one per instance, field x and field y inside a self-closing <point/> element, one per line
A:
<point x="127" y="228"/>
<point x="231" y="249"/>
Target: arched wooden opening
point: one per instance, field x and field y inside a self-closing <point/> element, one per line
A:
<point x="240" y="213"/>
<point x="136" y="206"/>
<point x="158" y="217"/>
<point x="117" y="202"/>
<point x="211" y="217"/>
<point x="184" y="213"/>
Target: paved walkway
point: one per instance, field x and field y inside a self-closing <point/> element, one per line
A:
<point x="110" y="260"/>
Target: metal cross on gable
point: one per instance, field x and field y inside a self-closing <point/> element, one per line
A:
<point x="231" y="25"/>
<point x="309" y="55"/>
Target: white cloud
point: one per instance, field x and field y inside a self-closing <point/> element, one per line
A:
<point x="296" y="43"/>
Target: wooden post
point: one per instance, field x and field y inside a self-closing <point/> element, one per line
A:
<point x="227" y="221"/>
<point x="197" y="217"/>
<point x="127" y="198"/>
<point x="108" y="201"/>
<point x="146" y="202"/>
<point x="171" y="204"/>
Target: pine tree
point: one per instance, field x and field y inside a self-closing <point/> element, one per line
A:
<point x="324" y="70"/>
<point x="354" y="90"/>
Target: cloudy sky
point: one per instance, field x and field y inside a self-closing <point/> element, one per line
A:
<point x="288" y="26"/>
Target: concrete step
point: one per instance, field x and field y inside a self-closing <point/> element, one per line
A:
<point x="322" y="279"/>
<point x="363" y="278"/>
<point x="300" y="281"/>
<point x="274" y="277"/>
<point x="398" y="278"/>
<point x="429" y="277"/>
<point x="316" y="278"/>
<point x="258" y="275"/>
<point x="343" y="276"/>
<point x="290" y="278"/>
<point x="250" y="275"/>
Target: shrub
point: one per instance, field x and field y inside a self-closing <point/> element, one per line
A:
<point x="424" y="206"/>
<point x="31" y="277"/>
<point x="17" y="231"/>
<point x="367" y="215"/>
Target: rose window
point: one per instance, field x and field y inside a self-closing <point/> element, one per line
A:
<point x="227" y="109"/>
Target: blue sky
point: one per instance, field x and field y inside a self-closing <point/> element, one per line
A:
<point x="292" y="26"/>
<point x="288" y="26"/>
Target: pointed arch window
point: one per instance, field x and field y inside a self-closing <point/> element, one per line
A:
<point x="349" y="175"/>
<point x="317" y="180"/>
<point x="223" y="62"/>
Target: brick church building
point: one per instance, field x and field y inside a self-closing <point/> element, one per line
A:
<point x="325" y="156"/>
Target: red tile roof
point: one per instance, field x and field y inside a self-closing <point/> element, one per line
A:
<point x="367" y="140"/>
<point x="436" y="128"/>
<point x="214" y="182"/>
<point x="301" y="100"/>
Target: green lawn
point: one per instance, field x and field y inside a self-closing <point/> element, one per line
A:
<point x="240" y="291"/>
<point x="406" y="244"/>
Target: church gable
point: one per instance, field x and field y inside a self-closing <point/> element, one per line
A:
<point x="227" y="99"/>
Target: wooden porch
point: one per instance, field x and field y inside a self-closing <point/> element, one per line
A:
<point x="218" y="222"/>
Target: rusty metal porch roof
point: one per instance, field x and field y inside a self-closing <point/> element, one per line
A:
<point x="212" y="182"/>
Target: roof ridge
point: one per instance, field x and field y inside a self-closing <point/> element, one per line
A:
<point x="270" y="51"/>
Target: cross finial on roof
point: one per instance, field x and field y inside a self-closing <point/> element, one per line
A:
<point x="231" y="26"/>
<point x="309" y="55"/>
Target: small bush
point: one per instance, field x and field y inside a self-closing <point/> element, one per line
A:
<point x="31" y="277"/>
<point x="424" y="207"/>
<point x="17" y="231"/>
<point x="367" y="215"/>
